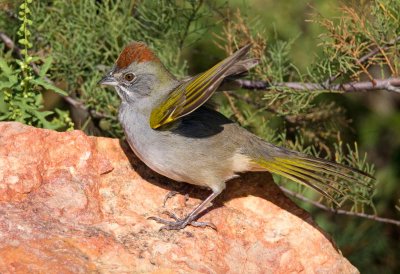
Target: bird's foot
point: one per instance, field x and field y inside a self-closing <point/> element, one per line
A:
<point x="179" y="223"/>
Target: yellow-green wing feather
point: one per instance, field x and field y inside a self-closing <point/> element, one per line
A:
<point x="192" y="94"/>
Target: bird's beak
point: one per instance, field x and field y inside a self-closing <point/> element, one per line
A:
<point x="108" y="80"/>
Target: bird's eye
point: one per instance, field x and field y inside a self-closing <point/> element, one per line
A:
<point x="129" y="77"/>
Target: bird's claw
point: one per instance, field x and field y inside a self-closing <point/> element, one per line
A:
<point x="171" y="194"/>
<point x="179" y="223"/>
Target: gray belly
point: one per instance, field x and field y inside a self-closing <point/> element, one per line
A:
<point x="194" y="152"/>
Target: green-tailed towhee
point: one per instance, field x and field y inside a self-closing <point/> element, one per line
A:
<point x="170" y="129"/>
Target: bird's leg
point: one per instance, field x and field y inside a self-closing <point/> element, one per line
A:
<point x="189" y="219"/>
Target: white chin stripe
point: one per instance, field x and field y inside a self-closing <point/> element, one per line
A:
<point x="123" y="93"/>
<point x="124" y="89"/>
<point x="120" y="91"/>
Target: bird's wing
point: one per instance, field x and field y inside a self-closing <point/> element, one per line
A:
<point x="193" y="93"/>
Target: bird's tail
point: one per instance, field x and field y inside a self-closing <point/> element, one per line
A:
<point x="326" y="177"/>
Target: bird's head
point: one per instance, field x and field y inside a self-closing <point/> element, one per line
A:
<point x="137" y="74"/>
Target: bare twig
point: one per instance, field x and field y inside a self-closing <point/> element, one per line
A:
<point x="9" y="43"/>
<point x="79" y="104"/>
<point x="390" y="84"/>
<point x="375" y="51"/>
<point x="236" y="112"/>
<point x="251" y="84"/>
<point x="340" y="211"/>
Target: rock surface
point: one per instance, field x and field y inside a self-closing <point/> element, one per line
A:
<point x="70" y="203"/>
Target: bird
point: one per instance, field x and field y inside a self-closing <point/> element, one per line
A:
<point x="170" y="126"/>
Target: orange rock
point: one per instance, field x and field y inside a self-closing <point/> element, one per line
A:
<point x="70" y="203"/>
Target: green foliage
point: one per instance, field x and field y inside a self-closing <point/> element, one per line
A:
<point x="286" y="101"/>
<point x="20" y="96"/>
<point x="354" y="34"/>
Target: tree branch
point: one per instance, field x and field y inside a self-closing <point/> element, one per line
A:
<point x="390" y="84"/>
<point x="340" y="211"/>
<point x="375" y="51"/>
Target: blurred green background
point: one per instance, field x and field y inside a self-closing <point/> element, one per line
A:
<point x="84" y="41"/>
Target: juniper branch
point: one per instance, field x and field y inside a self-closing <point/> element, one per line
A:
<point x="340" y="211"/>
<point x="390" y="84"/>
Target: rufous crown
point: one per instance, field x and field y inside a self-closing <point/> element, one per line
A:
<point x="135" y="52"/>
